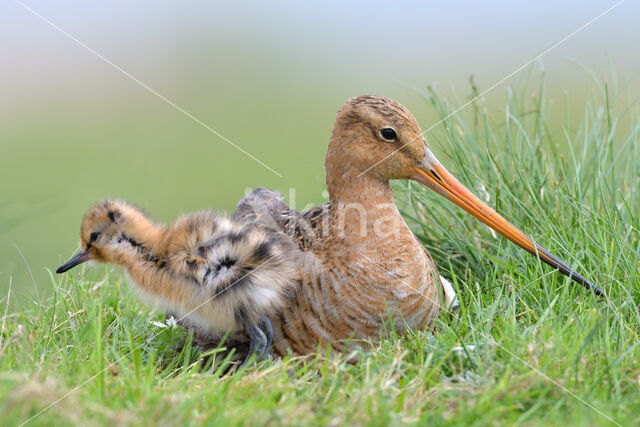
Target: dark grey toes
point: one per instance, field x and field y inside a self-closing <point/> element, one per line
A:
<point x="257" y="344"/>
<point x="260" y="340"/>
<point x="268" y="331"/>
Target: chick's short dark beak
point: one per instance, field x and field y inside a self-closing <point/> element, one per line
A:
<point x="77" y="259"/>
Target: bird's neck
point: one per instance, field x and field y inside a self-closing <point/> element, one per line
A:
<point x="140" y="242"/>
<point x="363" y="211"/>
<point x="348" y="186"/>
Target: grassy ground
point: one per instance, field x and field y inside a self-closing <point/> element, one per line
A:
<point x="527" y="347"/>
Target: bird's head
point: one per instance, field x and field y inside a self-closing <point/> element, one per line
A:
<point x="110" y="233"/>
<point x="378" y="137"/>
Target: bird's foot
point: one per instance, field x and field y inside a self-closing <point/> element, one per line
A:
<point x="260" y="339"/>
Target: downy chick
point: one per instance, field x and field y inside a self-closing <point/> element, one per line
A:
<point x="221" y="276"/>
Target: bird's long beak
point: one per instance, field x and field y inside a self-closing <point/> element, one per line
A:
<point x="78" y="258"/>
<point x="432" y="174"/>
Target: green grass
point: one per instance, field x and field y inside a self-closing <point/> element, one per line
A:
<point x="528" y="346"/>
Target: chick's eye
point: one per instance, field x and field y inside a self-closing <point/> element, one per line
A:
<point x="388" y="134"/>
<point x="94" y="236"/>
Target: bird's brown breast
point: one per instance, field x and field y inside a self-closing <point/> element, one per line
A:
<point x="355" y="281"/>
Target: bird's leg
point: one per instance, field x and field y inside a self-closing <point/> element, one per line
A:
<point x="257" y="343"/>
<point x="268" y="331"/>
<point x="260" y="340"/>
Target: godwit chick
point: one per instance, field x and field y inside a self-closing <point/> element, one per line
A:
<point x="361" y="262"/>
<point x="223" y="277"/>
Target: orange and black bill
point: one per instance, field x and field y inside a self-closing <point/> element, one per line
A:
<point x="78" y="258"/>
<point x="432" y="174"/>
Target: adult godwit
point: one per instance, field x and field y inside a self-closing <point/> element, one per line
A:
<point x="359" y="261"/>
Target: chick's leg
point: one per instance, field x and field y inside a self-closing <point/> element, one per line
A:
<point x="268" y="331"/>
<point x="257" y="343"/>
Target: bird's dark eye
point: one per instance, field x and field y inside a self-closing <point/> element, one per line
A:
<point x="388" y="134"/>
<point x="94" y="236"/>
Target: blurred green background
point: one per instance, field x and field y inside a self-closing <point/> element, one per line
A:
<point x="74" y="129"/>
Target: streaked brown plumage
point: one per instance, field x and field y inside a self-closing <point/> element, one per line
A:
<point x="217" y="275"/>
<point x="360" y="262"/>
<point x="353" y="275"/>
